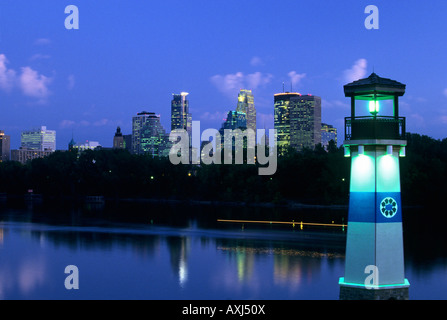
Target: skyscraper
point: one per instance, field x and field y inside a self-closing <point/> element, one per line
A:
<point x="328" y="133"/>
<point x="5" y="147"/>
<point x="297" y="121"/>
<point x="180" y="116"/>
<point x="245" y="104"/>
<point x="282" y="119"/>
<point x="118" y="139"/>
<point x="148" y="135"/>
<point x="39" y="139"/>
<point x="305" y="122"/>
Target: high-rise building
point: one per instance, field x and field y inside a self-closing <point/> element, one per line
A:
<point x="245" y="104"/>
<point x="180" y="116"/>
<point x="297" y="121"/>
<point x="118" y="139"/>
<point x="5" y="147"/>
<point x="39" y="139"/>
<point x="328" y="133"/>
<point x="128" y="142"/>
<point x="235" y="120"/>
<point x="282" y="120"/>
<point x="148" y="135"/>
<point x="305" y="122"/>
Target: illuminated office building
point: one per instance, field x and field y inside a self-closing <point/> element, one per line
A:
<point x="246" y="105"/>
<point x="87" y="145"/>
<point x="180" y="116"/>
<point x="328" y="133"/>
<point x="235" y="120"/>
<point x="5" y="143"/>
<point x="282" y="119"/>
<point x="305" y="122"/>
<point x="148" y="135"/>
<point x="297" y="121"/>
<point x="39" y="139"/>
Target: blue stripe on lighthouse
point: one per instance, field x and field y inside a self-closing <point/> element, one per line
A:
<point x="361" y="207"/>
<point x="380" y="207"/>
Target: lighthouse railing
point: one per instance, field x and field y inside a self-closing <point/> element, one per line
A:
<point x="375" y="127"/>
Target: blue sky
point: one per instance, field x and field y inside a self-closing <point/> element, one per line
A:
<point x="129" y="56"/>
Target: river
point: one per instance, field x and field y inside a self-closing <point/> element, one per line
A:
<point x="175" y="252"/>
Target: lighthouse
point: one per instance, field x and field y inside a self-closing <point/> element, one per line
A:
<point x="374" y="140"/>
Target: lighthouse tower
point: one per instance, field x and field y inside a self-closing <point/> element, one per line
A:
<point x="374" y="263"/>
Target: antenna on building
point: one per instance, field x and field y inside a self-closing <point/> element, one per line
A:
<point x="283" y="86"/>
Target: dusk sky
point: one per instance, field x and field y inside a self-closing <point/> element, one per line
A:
<point x="130" y="56"/>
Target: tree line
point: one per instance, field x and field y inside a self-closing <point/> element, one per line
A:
<point x="310" y="176"/>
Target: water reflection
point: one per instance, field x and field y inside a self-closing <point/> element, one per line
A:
<point x="179" y="249"/>
<point x="181" y="257"/>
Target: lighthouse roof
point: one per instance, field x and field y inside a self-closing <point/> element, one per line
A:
<point x="374" y="85"/>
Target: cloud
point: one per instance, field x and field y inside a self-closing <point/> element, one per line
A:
<point x="34" y="84"/>
<point x="256" y="61"/>
<point x="42" y="41"/>
<point x="71" y="82"/>
<point x="295" y="78"/>
<point x="39" y="56"/>
<point x="7" y="76"/>
<point x="101" y="122"/>
<point x="356" y="72"/>
<point x="445" y="92"/>
<point x="230" y="84"/>
<point x="213" y="116"/>
<point x="257" y="79"/>
<point x="64" y="124"/>
<point x="31" y="83"/>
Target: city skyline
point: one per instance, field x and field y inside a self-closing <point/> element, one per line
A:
<point x="86" y="82"/>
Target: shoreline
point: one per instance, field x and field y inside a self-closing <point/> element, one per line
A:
<point x="286" y="204"/>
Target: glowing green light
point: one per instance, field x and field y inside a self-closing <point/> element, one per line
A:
<point x="374" y="107"/>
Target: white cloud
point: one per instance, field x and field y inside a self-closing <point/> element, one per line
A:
<point x="213" y="116"/>
<point x="66" y="124"/>
<point x="230" y="84"/>
<point x="39" y="56"/>
<point x="256" y="61"/>
<point x="356" y="72"/>
<point x="101" y="122"/>
<point x="42" y="41"/>
<point x="295" y="78"/>
<point x="257" y="79"/>
<point x="7" y="76"/>
<point x="31" y="83"/>
<point x="71" y="82"/>
<point x="34" y="84"/>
